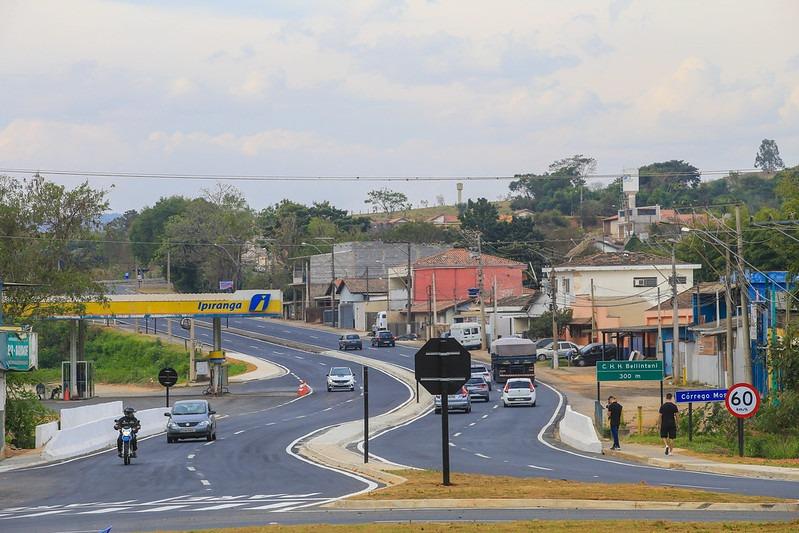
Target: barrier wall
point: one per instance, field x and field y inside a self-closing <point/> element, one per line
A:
<point x="76" y="416"/>
<point x="99" y="434"/>
<point x="45" y="432"/>
<point x="577" y="431"/>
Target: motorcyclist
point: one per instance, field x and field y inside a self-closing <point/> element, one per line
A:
<point x="128" y="420"/>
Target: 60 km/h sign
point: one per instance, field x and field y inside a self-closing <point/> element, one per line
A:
<point x="742" y="400"/>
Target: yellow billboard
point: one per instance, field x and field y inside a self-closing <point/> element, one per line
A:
<point x="239" y="303"/>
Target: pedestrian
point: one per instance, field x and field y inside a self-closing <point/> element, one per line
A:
<point x="667" y="420"/>
<point x="614" y="414"/>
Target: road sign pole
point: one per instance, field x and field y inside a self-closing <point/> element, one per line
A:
<point x="167" y="396"/>
<point x="661" y="392"/>
<point x="366" y="414"/>
<point x="597" y="392"/>
<point x="417" y="391"/>
<point x="690" y="421"/>
<point x="740" y="437"/>
<point x="445" y="436"/>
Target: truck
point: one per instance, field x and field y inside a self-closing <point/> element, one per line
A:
<point x="512" y="357"/>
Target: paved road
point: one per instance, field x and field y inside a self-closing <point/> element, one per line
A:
<point x="507" y="441"/>
<point x="249" y="468"/>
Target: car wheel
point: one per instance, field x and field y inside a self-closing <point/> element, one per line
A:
<point x="504" y="404"/>
<point x="438" y="411"/>
<point x="170" y="440"/>
<point x="533" y="405"/>
<point x="209" y="437"/>
<point x="581" y="362"/>
<point x="393" y="345"/>
<point x="468" y="409"/>
<point x="541" y="357"/>
<point x="329" y="389"/>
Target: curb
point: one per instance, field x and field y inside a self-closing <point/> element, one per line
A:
<point x="604" y="505"/>
<point x="712" y="468"/>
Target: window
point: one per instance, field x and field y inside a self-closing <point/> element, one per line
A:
<point x="681" y="280"/>
<point x="647" y="211"/>
<point x="566" y="285"/>
<point x="645" y="282"/>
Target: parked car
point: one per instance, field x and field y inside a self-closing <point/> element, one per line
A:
<point x="383" y="338"/>
<point x="340" y="377"/>
<point x="350" y="341"/>
<point x="191" y="419"/>
<point x="478" y="388"/>
<point x="565" y="349"/>
<point x="543" y="343"/>
<point x="589" y="354"/>
<point x="468" y="334"/>
<point x="518" y="391"/>
<point x="408" y="337"/>
<point x="460" y="401"/>
<point x="484" y="372"/>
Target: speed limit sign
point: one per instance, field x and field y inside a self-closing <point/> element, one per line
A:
<point x="742" y="400"/>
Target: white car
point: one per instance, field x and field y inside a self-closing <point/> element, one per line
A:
<point x="565" y="348"/>
<point x="340" y="377"/>
<point x="484" y="372"/>
<point x="518" y="391"/>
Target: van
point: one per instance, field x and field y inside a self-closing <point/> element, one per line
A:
<point x="468" y="334"/>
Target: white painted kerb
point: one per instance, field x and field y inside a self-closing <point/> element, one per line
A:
<point x="577" y="431"/>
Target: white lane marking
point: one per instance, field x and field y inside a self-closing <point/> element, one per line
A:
<point x="105" y="510"/>
<point x="220" y="506"/>
<point x="254" y="347"/>
<point x="43" y="513"/>
<point x="299" y="357"/>
<point x="190" y="456"/>
<point x="483" y="456"/>
<point x="328" y="409"/>
<point x="265" y="496"/>
<point x="484" y="416"/>
<point x="452" y="444"/>
<point x="473" y="423"/>
<point x="403" y="355"/>
<point x="240" y="432"/>
<point x="161" y="509"/>
<point x="191" y="469"/>
<point x="270" y="506"/>
<point x="313" y="336"/>
<point x="323" y="364"/>
<point x="209" y="443"/>
<point x="540" y="468"/>
<point x="270" y="424"/>
<point x="205" y="482"/>
<point x="495" y="406"/>
<point x="300" y="416"/>
<point x="458" y="434"/>
<point x="298" y="496"/>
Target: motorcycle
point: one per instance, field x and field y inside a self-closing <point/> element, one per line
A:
<point x="127" y="442"/>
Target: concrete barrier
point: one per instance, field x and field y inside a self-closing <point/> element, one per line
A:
<point x="45" y="432"/>
<point x="577" y="431"/>
<point x="99" y="434"/>
<point x="77" y="416"/>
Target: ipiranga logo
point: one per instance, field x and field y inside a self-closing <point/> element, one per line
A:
<point x="218" y="306"/>
<point x="259" y="303"/>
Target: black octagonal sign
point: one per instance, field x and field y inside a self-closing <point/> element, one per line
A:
<point x="443" y="366"/>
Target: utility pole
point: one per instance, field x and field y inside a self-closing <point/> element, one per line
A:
<point x="677" y="367"/>
<point x="494" y="335"/>
<point x="728" y="321"/>
<point x="746" y="347"/>
<point x="408" y="278"/>
<point x="169" y="283"/>
<point x="593" y="314"/>
<point x="659" y="347"/>
<point x="553" y="288"/>
<point x="435" y="306"/>
<point x="333" y="281"/>
<point x="484" y="337"/>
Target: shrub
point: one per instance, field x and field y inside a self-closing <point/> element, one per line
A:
<point x="24" y="411"/>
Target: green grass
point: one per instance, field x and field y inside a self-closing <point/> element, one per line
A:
<point x="756" y="445"/>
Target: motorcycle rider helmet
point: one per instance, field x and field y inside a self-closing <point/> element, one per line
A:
<point x="129" y="411"/>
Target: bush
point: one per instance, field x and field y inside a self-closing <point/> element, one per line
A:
<point x="24" y="411"/>
<point x="779" y="417"/>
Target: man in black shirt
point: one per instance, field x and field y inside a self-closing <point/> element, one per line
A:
<point x="614" y="414"/>
<point x="668" y="423"/>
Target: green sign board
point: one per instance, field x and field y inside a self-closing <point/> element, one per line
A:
<point x="629" y="370"/>
<point x="22" y="351"/>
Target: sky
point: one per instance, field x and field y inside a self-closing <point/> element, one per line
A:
<point x="376" y="88"/>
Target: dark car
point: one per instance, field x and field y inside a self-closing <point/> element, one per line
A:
<point x="478" y="388"/>
<point x="350" y="341"/>
<point x="589" y="354"/>
<point x="191" y="419"/>
<point x="383" y="338"/>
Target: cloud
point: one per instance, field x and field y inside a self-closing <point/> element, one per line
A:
<point x="41" y="143"/>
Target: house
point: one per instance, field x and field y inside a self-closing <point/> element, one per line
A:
<point x="523" y="213"/>
<point x="449" y="275"/>
<point x="639" y="220"/>
<point x="513" y="313"/>
<point x="357" y="298"/>
<point x="445" y="220"/>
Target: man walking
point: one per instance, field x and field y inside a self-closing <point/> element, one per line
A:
<point x="667" y="420"/>
<point x="614" y="414"/>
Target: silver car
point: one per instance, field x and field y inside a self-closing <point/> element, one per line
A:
<point x="191" y="419"/>
<point x="461" y="401"/>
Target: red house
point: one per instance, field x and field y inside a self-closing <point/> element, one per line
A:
<point x="455" y="272"/>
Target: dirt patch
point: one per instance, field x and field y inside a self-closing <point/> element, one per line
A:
<point x="426" y="484"/>
<point x="249" y="366"/>
<point x="549" y="526"/>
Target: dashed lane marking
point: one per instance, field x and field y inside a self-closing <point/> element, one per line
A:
<point x="458" y="434"/>
<point x="270" y="424"/>
<point x="540" y="468"/>
<point x="106" y="510"/>
<point x="483" y="456"/>
<point x="495" y="406"/>
<point x="205" y="482"/>
<point x="271" y="506"/>
<point x="240" y="432"/>
<point x="484" y="416"/>
<point x="452" y="444"/>
<point x="220" y="506"/>
<point x="209" y="443"/>
<point x="473" y="423"/>
<point x="191" y="469"/>
<point x="43" y="513"/>
<point x="161" y="509"/>
<point x="190" y="456"/>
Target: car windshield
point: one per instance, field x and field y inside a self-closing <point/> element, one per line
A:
<point x="475" y="381"/>
<point x="353" y="337"/>
<point x="340" y="371"/>
<point x="385" y="334"/>
<point x="518" y="384"/>
<point x="189" y="408"/>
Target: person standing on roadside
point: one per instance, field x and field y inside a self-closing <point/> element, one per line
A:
<point x="614" y="414"/>
<point x="667" y="421"/>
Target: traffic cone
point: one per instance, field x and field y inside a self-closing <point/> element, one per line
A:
<point x="66" y="394"/>
<point x="303" y="389"/>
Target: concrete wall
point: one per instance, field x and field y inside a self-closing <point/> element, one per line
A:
<point x="100" y="434"/>
<point x="77" y="416"/>
<point x="577" y="431"/>
<point x="45" y="432"/>
<point x="454" y="283"/>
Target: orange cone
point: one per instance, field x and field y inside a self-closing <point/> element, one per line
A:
<point x="66" y="394"/>
<point x="303" y="389"/>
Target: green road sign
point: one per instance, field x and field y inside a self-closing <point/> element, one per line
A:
<point x="629" y="370"/>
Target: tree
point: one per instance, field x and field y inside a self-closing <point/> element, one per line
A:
<point x="560" y="188"/>
<point x="768" y="156"/>
<point x="480" y="215"/>
<point x="387" y="201"/>
<point x="668" y="183"/>
<point x="40" y="222"/>
<point x="147" y="230"/>
<point x="541" y="327"/>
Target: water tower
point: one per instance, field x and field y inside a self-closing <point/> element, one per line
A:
<point x="459" y="186"/>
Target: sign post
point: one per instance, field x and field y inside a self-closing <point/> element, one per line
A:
<point x="626" y="371"/>
<point x="167" y="377"/>
<point x="442" y="367"/>
<point x="691" y="396"/>
<point x="742" y="401"/>
<point x="366" y="414"/>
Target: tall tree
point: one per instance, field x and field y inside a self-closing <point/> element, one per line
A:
<point x="560" y="188"/>
<point x="147" y="230"/>
<point x="768" y="156"/>
<point x="40" y="222"/>
<point x="387" y="201"/>
<point x="668" y="183"/>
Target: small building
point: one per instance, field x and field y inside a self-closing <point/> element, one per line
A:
<point x="445" y="220"/>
